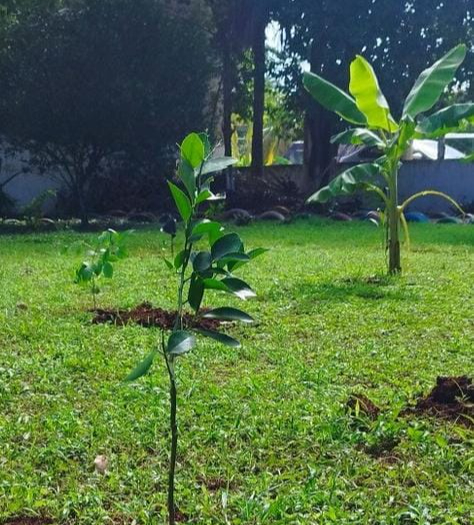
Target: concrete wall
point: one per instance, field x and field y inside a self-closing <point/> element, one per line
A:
<point x="449" y="176"/>
<point x="25" y="187"/>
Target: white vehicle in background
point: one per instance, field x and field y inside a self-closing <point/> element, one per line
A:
<point x="455" y="146"/>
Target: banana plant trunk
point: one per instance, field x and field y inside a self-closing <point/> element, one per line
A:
<point x="393" y="216"/>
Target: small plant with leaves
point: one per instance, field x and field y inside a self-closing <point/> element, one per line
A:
<point x="207" y="261"/>
<point x="102" y="255"/>
<point x="368" y="109"/>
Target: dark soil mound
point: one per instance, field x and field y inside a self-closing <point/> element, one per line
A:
<point x="451" y="398"/>
<point x="147" y="316"/>
<point x="363" y="405"/>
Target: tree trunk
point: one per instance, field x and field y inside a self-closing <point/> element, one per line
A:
<point x="258" y="47"/>
<point x="81" y="207"/>
<point x="319" y="152"/>
<point x="319" y="127"/>
<point x="227" y="100"/>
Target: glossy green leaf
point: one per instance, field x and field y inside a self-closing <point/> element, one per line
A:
<point x="206" y="143"/>
<point x="333" y="98"/>
<point x="202" y="262"/>
<point x="217" y="164"/>
<point x="196" y="293"/>
<point x="221" y="338"/>
<point x="370" y="100"/>
<point x="230" y="243"/>
<point x="168" y="264"/>
<point x="179" y="259"/>
<point x="187" y="175"/>
<point x="446" y="120"/>
<point x="347" y="182"/>
<point x="252" y="254"/>
<point x="142" y="368"/>
<point x="108" y="270"/>
<point x="182" y="202"/>
<point x="193" y="150"/>
<point x="204" y="196"/>
<point x="432" y="82"/>
<point x="228" y="314"/>
<point x="215" y="284"/>
<point x="180" y="342"/>
<point x="239" y="288"/>
<point x="358" y="136"/>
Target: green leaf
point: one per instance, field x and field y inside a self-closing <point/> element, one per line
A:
<point x="215" y="284"/>
<point x="193" y="150"/>
<point x="204" y="196"/>
<point x="228" y="314"/>
<point x="108" y="270"/>
<point x="446" y="120"/>
<point x="142" y="368"/>
<point x="180" y="342"/>
<point x="179" y="259"/>
<point x="207" y="145"/>
<point x="182" y="202"/>
<point x="253" y="254"/>
<point x="235" y="257"/>
<point x="333" y="98"/>
<point x="196" y="293"/>
<point x="221" y="338"/>
<point x="347" y="182"/>
<point x="202" y="262"/>
<point x="225" y="245"/>
<point x="206" y="227"/>
<point x="84" y="273"/>
<point x="168" y="264"/>
<point x="218" y="164"/>
<point x="239" y="288"/>
<point x="369" y="98"/>
<point x="358" y="136"/>
<point x="187" y="175"/>
<point x="432" y="82"/>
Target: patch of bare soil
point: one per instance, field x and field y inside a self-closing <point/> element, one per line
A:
<point x="361" y="404"/>
<point x="452" y="398"/>
<point x="147" y="316"/>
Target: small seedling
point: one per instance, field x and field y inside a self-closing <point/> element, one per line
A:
<point x="209" y="267"/>
<point x="101" y="257"/>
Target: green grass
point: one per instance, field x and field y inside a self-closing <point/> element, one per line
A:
<point x="265" y="436"/>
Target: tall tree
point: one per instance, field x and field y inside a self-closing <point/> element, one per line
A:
<point x="399" y="38"/>
<point x="95" y="80"/>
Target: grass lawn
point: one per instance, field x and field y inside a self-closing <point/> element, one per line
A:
<point x="265" y="434"/>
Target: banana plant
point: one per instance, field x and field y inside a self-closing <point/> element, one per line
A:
<point x="366" y="108"/>
<point x="207" y="262"/>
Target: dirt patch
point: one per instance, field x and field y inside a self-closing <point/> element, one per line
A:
<point x="148" y="317"/>
<point x="213" y="484"/>
<point x="27" y="521"/>
<point x="180" y="517"/>
<point x="361" y="404"/>
<point x="452" y="398"/>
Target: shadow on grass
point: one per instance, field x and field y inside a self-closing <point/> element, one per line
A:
<point x="369" y="288"/>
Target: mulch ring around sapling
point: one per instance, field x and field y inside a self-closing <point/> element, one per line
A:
<point x="149" y="317"/>
<point x="452" y="398"/>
